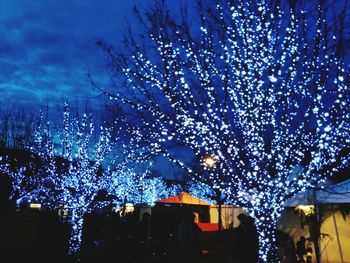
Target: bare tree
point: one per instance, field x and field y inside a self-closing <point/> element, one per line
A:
<point x="17" y="128"/>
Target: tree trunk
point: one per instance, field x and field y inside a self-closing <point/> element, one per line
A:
<point x="219" y="201"/>
<point x="315" y="232"/>
<point x="266" y="225"/>
<point x="77" y="222"/>
<point x="220" y="219"/>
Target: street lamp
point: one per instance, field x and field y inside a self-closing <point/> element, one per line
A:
<point x="210" y="162"/>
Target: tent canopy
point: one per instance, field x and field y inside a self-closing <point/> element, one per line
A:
<point x="332" y="194"/>
<point x="183" y="198"/>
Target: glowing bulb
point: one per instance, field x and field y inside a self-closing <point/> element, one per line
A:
<point x="209" y="161"/>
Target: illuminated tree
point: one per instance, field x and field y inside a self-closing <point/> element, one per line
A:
<point x="140" y="187"/>
<point x="201" y="190"/>
<point x="72" y="167"/>
<point x="254" y="88"/>
<point x="69" y="171"/>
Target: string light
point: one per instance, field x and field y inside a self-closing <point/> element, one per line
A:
<point x="248" y="92"/>
<point x="71" y="173"/>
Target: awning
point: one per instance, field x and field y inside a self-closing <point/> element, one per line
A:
<point x="208" y="227"/>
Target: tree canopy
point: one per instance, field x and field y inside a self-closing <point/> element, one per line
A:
<point x="257" y="87"/>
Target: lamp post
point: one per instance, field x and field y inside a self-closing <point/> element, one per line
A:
<point x="210" y="162"/>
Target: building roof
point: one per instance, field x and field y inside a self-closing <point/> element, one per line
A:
<point x="183" y="198"/>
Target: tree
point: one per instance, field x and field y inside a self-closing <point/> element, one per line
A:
<point x="70" y="170"/>
<point x="247" y="83"/>
<point x="17" y="127"/>
<point x="73" y="165"/>
<point x="200" y="190"/>
<point x="139" y="187"/>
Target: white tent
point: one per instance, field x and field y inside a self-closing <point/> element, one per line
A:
<point x="336" y="226"/>
<point x="330" y="194"/>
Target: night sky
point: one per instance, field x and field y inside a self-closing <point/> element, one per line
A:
<point x="47" y="47"/>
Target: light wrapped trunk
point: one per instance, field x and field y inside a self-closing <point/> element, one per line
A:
<point x="76" y="233"/>
<point x="266" y="225"/>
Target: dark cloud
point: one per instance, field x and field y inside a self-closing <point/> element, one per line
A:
<point x="54" y="58"/>
<point x="12" y="95"/>
<point x="12" y="23"/>
<point x="12" y="50"/>
<point x="47" y="47"/>
<point x="7" y="70"/>
<point x="43" y="38"/>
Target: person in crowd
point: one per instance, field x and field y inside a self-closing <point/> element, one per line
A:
<point x="286" y="247"/>
<point x="246" y="241"/>
<point x="301" y="249"/>
<point x="188" y="237"/>
<point x="144" y="237"/>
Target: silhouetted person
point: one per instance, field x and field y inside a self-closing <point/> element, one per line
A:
<point x="188" y="235"/>
<point x="144" y="228"/>
<point x="301" y="249"/>
<point x="286" y="247"/>
<point x="246" y="241"/>
<point x="144" y="237"/>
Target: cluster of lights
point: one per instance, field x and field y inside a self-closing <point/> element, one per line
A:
<point x="139" y="188"/>
<point x="250" y="95"/>
<point x="76" y="179"/>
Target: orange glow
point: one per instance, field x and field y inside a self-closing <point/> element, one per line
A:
<point x="209" y="161"/>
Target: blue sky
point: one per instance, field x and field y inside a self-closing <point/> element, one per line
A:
<point x="47" y="47"/>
